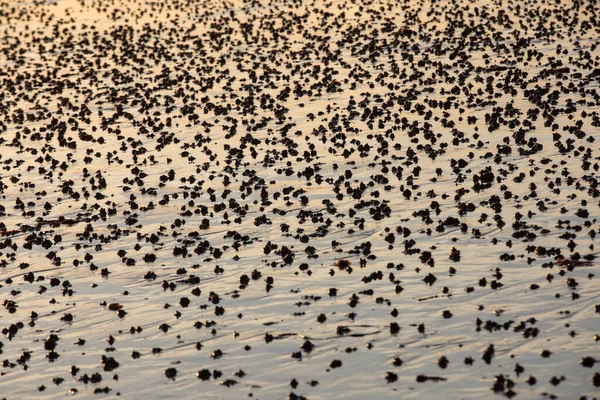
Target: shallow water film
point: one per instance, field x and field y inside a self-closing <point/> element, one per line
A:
<point x="299" y="199"/>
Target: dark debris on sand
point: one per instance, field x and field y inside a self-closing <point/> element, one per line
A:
<point x="260" y="179"/>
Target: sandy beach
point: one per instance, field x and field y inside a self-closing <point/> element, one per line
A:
<point x="299" y="199"/>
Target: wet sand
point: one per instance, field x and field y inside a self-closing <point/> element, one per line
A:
<point x="295" y="199"/>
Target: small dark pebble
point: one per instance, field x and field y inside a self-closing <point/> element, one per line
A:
<point x="391" y="377"/>
<point x="203" y="374"/>
<point x="546" y="353"/>
<point x="307" y="346"/>
<point x="109" y="363"/>
<point x="588" y="362"/>
<point x="171" y="373"/>
<point x="555" y="381"/>
<point x="519" y="369"/>
<point x="443" y="362"/>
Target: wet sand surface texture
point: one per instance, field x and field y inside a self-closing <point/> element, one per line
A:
<point x="299" y="199"/>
